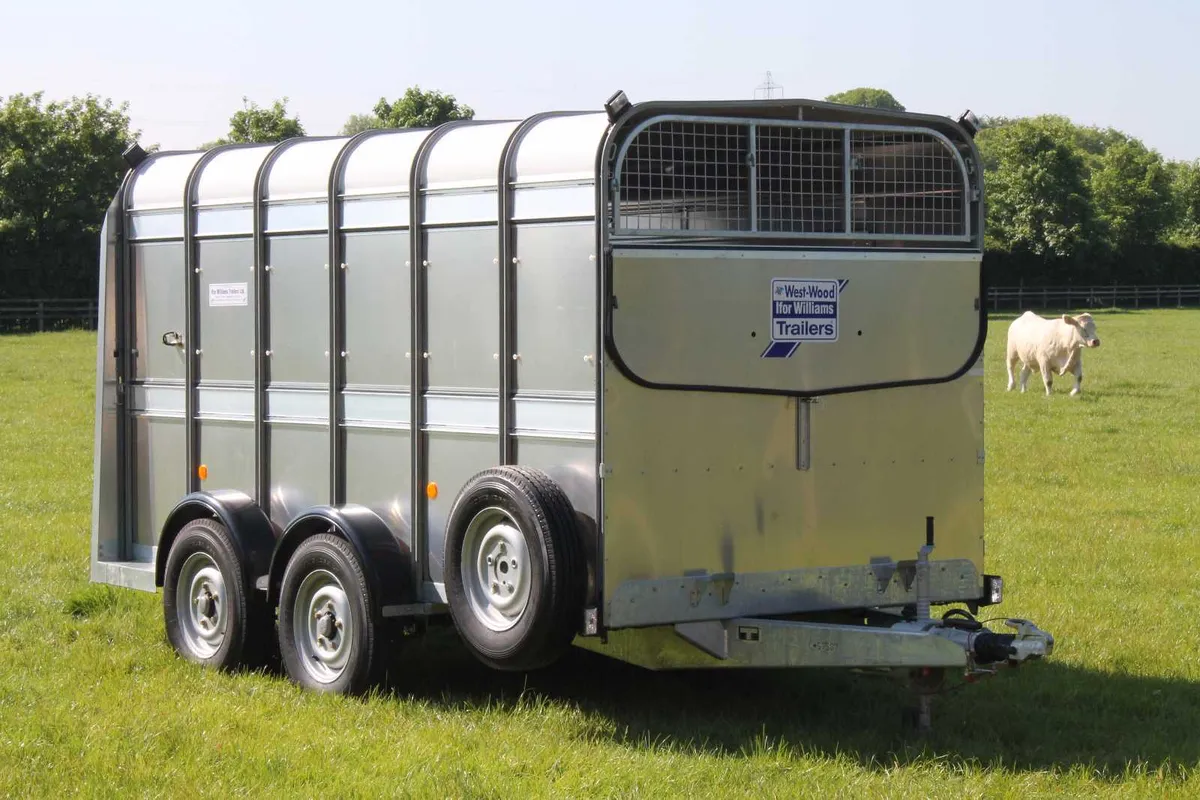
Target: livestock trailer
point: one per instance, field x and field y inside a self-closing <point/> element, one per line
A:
<point x="692" y="384"/>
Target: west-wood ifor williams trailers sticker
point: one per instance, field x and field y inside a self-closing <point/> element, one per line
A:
<point x="802" y="310"/>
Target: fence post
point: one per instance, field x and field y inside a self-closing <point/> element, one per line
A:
<point x="41" y="315"/>
<point x="1136" y="301"/>
<point x="1180" y="288"/>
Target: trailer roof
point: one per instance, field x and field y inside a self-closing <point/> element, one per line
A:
<point x="553" y="149"/>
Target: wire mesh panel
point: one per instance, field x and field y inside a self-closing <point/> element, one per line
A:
<point x="801" y="184"/>
<point x="713" y="176"/>
<point x="904" y="184"/>
<point x="682" y="175"/>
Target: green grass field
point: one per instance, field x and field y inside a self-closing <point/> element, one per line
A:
<point x="1091" y="512"/>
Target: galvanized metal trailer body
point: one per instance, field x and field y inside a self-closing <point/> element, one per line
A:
<point x="741" y="341"/>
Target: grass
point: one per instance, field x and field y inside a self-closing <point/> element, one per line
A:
<point x="1091" y="509"/>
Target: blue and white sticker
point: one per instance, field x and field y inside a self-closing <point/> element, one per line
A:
<point x="802" y="310"/>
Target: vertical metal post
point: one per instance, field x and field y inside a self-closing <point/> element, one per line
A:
<point x="262" y="332"/>
<point x="803" y="433"/>
<point x="336" y="339"/>
<point x="420" y="371"/>
<point x="123" y="335"/>
<point x="191" y="324"/>
<point x="847" y="182"/>
<point x="41" y="315"/>
<point x="752" y="166"/>
<point x="923" y="599"/>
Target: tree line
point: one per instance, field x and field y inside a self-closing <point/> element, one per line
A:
<point x="1066" y="203"/>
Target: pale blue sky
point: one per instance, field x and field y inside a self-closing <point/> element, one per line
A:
<point x="185" y="67"/>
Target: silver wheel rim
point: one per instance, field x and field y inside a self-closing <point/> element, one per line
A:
<point x="495" y="569"/>
<point x="201" y="605"/>
<point x="323" y="626"/>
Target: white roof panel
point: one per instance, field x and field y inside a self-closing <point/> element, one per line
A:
<point x="229" y="176"/>
<point x="468" y="156"/>
<point x="560" y="149"/>
<point x="302" y="169"/>
<point x="382" y="162"/>
<point x="160" y="181"/>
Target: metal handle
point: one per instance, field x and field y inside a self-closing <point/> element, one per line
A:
<point x="172" y="339"/>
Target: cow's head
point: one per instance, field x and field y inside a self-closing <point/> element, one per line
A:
<point x="1084" y="328"/>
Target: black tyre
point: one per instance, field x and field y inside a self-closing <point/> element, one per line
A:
<point x="330" y="629"/>
<point x="212" y="614"/>
<point x="515" y="573"/>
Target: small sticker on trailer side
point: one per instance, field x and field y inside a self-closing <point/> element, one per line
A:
<point x="227" y="294"/>
<point x="802" y="310"/>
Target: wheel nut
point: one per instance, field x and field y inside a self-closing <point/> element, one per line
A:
<point x="338" y="624"/>
<point x="495" y="589"/>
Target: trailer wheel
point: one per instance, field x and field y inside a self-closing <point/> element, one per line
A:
<point x="212" y="616"/>
<point x="329" y="625"/>
<point x="515" y="576"/>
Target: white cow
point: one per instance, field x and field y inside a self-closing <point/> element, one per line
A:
<point x="1049" y="345"/>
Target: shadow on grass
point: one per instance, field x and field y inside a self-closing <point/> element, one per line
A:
<point x="1041" y="716"/>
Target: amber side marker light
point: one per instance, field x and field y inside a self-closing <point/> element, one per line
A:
<point x="202" y="471"/>
<point x="431" y="491"/>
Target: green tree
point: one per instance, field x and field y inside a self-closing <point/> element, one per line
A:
<point x="1131" y="193"/>
<point x="60" y="165"/>
<point x="1185" y="196"/>
<point x="258" y="125"/>
<point x="357" y="123"/>
<point x="1037" y="187"/>
<point x="868" y="97"/>
<point x="418" y="109"/>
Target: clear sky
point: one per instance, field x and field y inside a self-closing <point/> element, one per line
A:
<point x="185" y="67"/>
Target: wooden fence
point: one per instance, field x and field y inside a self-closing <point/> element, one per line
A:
<point x="1021" y="298"/>
<point x="30" y="316"/>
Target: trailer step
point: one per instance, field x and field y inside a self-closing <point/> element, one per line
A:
<point x="129" y="574"/>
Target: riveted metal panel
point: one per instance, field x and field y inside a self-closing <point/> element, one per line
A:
<point x="556" y="307"/>
<point x="158" y="308"/>
<point x="299" y="301"/>
<point x="379" y="475"/>
<point x="299" y="468"/>
<point x="159" y="449"/>
<point x="108" y="514"/>
<point x="453" y="459"/>
<point x="226" y="305"/>
<point x="227" y="450"/>
<point x="462" y="286"/>
<point x="732" y="500"/>
<point x="709" y="318"/>
<point x="378" y="324"/>
<point x="571" y="464"/>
